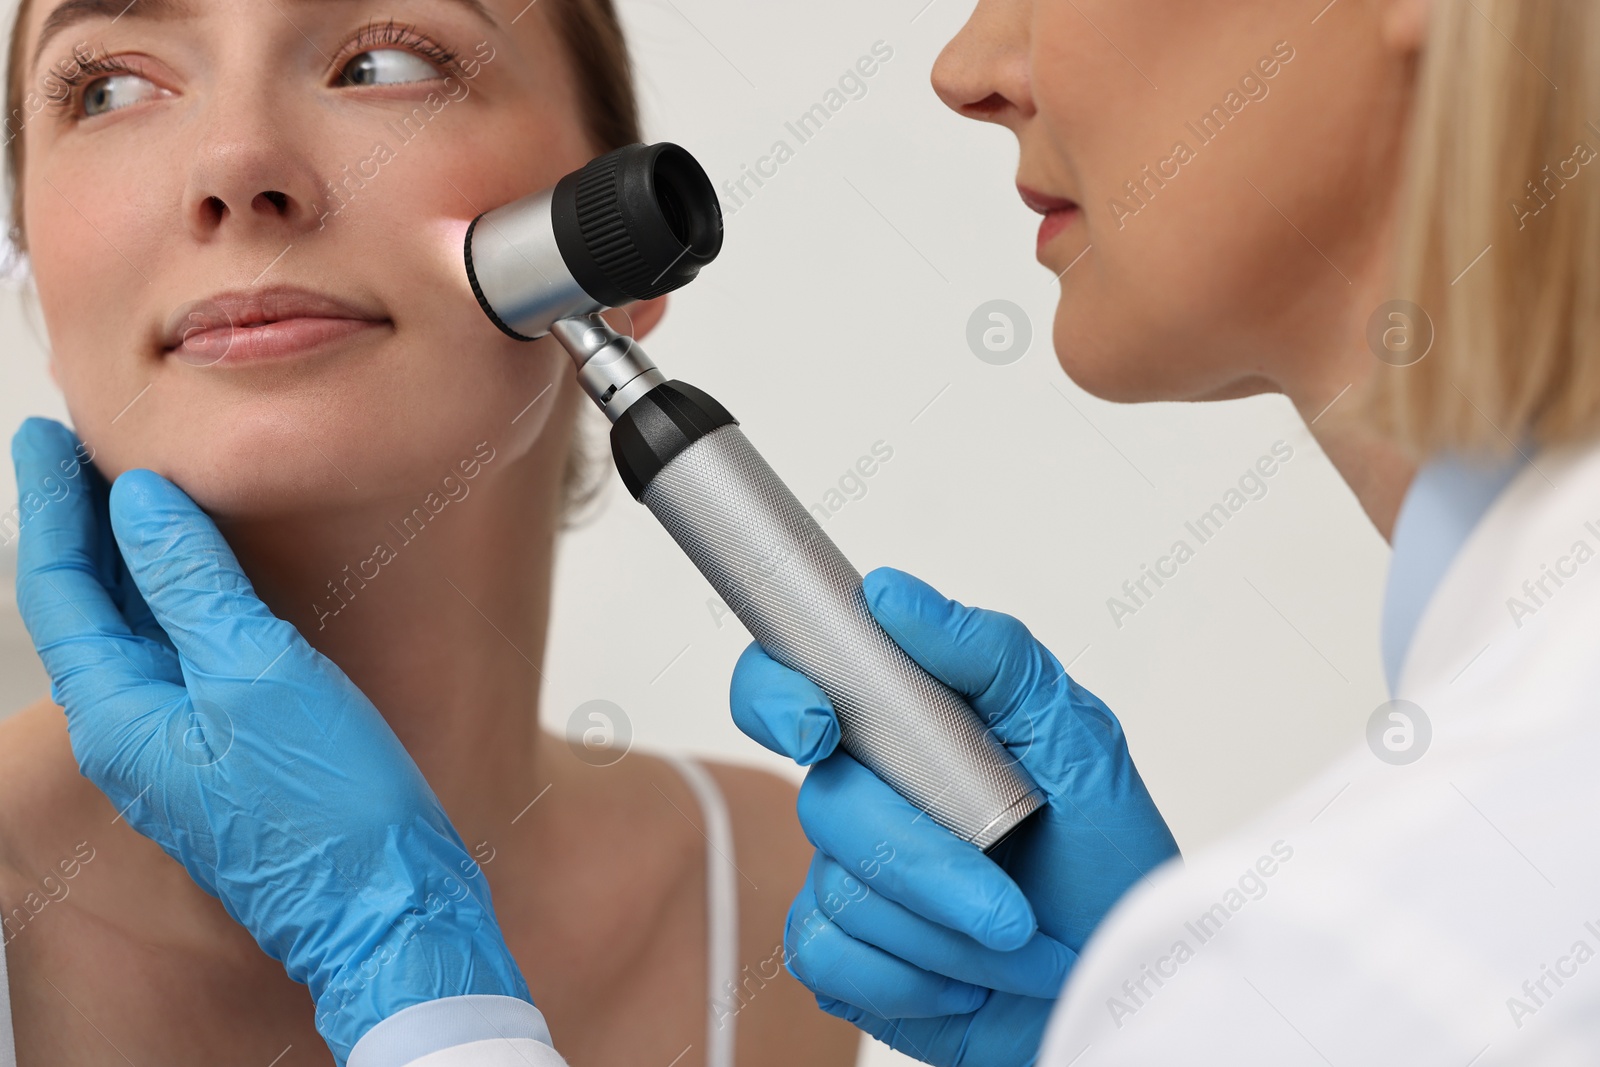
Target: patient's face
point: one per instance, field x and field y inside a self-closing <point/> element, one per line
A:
<point x="236" y="145"/>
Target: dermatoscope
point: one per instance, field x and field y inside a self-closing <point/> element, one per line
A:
<point x="634" y="224"/>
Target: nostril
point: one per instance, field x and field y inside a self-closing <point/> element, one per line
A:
<point x="279" y="200"/>
<point x="987" y="106"/>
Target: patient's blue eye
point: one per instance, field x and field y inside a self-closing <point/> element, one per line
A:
<point x="388" y="66"/>
<point x="114" y="93"/>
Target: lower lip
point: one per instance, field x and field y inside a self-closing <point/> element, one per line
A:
<point x="1054" y="223"/>
<point x="275" y="340"/>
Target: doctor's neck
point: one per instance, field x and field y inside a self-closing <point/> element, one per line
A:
<point x="1374" y="468"/>
<point x="1325" y="384"/>
<point x="1330" y="364"/>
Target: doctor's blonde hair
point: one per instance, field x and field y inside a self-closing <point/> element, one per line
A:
<point x="1499" y="233"/>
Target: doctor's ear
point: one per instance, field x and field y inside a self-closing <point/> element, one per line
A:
<point x="637" y="320"/>
<point x="1405" y="23"/>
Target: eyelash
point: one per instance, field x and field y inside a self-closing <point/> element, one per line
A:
<point x="371" y="36"/>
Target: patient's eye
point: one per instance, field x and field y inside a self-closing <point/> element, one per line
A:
<point x="373" y="59"/>
<point x="99" y="85"/>
<point x="119" y="91"/>
<point x="387" y="66"/>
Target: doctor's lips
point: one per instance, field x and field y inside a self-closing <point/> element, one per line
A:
<point x="261" y="324"/>
<point x="1058" y="213"/>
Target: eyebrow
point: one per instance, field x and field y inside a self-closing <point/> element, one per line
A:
<point x="73" y="12"/>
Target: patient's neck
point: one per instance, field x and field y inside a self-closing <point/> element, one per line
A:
<point x="445" y="632"/>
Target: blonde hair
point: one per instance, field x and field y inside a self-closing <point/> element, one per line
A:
<point x="1499" y="231"/>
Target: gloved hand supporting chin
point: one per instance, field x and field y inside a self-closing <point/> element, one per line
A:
<point x="248" y="756"/>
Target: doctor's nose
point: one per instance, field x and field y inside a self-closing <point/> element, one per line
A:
<point x="982" y="73"/>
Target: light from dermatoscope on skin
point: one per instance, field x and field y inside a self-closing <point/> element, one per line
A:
<point x="448" y="237"/>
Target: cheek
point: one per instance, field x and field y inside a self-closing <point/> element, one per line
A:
<point x="96" y="265"/>
<point x="476" y="155"/>
<point x="1202" y="278"/>
<point x="76" y="265"/>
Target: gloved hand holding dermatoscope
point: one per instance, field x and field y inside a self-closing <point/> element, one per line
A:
<point x="640" y="222"/>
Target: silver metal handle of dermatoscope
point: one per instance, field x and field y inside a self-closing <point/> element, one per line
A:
<point x="798" y="595"/>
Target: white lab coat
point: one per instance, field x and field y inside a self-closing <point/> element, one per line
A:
<point x="517" y="1052"/>
<point x="478" y="1030"/>
<point x="1442" y="912"/>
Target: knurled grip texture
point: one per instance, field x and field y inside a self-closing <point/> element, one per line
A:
<point x="802" y="600"/>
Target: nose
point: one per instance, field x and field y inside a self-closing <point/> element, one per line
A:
<point x="248" y="174"/>
<point x="982" y="73"/>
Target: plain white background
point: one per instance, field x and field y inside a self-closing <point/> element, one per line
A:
<point x="836" y="319"/>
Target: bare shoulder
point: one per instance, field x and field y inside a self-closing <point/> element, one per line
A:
<point x="778" y="1018"/>
<point x="45" y="806"/>
<point x="41" y="790"/>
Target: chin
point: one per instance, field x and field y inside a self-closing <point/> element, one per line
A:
<point x="1115" y="368"/>
<point x="1106" y="360"/>
<point x="238" y="467"/>
<point x="245" y="475"/>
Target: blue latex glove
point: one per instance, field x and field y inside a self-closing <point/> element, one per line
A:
<point x="248" y="756"/>
<point x="919" y="938"/>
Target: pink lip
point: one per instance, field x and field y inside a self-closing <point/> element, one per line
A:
<point x="273" y="340"/>
<point x="1053" y="224"/>
<point x="1058" y="212"/>
<point x="261" y="324"/>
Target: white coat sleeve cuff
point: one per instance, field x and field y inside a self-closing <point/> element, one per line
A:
<point x="477" y="1030"/>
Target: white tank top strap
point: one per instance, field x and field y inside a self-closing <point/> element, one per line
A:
<point x="722" y="910"/>
<point x="8" y="1036"/>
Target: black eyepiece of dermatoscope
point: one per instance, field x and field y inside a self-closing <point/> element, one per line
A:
<point x="637" y="222"/>
<point x="632" y="224"/>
